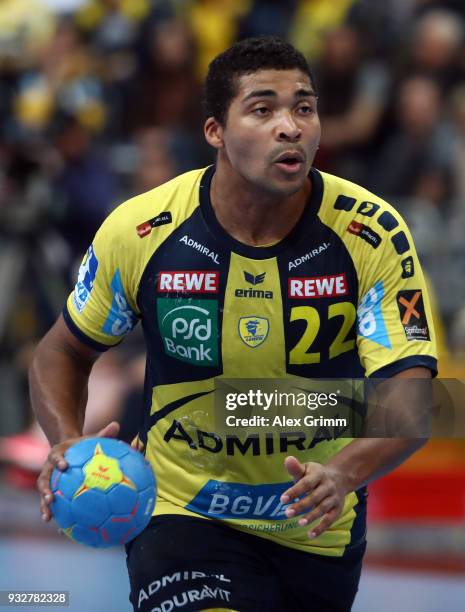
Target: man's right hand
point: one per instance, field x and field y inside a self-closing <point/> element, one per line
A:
<point x="56" y="459"/>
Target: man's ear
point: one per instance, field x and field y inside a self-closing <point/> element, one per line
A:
<point x="213" y="133"/>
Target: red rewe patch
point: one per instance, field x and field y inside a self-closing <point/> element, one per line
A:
<point x="183" y="281"/>
<point x="318" y="286"/>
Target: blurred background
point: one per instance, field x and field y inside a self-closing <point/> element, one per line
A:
<point x="101" y="100"/>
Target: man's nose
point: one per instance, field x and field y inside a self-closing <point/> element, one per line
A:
<point x="288" y="130"/>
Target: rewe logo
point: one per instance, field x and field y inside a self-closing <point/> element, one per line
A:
<point x="188" y="282"/>
<point x="318" y="286"/>
<point x="189" y="329"/>
<point x="254" y="280"/>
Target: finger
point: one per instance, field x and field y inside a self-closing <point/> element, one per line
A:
<point x="57" y="459"/>
<point x="109" y="431"/>
<point x="294" y="467"/>
<point x="45" y="511"/>
<point x="321" y="492"/>
<point x="304" y="486"/>
<point x="46" y="496"/>
<point x="296" y="470"/>
<point x="318" y="511"/>
<point x="323" y="525"/>
<point x="43" y="480"/>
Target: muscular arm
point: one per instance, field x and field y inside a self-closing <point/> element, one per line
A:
<point x="58" y="380"/>
<point x="323" y="487"/>
<point x="58" y="383"/>
<point x="367" y="459"/>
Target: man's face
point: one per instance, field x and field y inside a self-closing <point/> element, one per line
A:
<point x="272" y="130"/>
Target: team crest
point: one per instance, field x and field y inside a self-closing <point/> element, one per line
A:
<point x="253" y="331"/>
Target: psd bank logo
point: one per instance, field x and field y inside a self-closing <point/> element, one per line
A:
<point x="86" y="278"/>
<point x="253" y="331"/>
<point x="189" y="330"/>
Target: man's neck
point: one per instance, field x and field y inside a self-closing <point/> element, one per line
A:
<point x="249" y="214"/>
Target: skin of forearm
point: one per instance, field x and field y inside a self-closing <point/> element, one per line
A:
<point x="366" y="459"/>
<point x="58" y="388"/>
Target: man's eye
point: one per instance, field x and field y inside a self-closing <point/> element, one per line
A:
<point x="306" y="110"/>
<point x="261" y="111"/>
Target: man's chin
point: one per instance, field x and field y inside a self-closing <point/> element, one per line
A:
<point x="286" y="188"/>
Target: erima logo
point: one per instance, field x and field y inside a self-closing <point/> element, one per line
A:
<point x="200" y="247"/>
<point x="254" y="280"/>
<point x="197" y="281"/>
<point x="254" y="293"/>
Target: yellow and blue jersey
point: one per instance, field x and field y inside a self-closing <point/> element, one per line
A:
<point x="342" y="296"/>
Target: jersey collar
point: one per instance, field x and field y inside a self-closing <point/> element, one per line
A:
<point x="301" y="227"/>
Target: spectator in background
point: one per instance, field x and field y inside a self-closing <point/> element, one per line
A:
<point x="415" y="161"/>
<point x="271" y="17"/>
<point x="352" y="91"/>
<point x="436" y="49"/>
<point x="112" y="24"/>
<point x="214" y="26"/>
<point x="155" y="162"/>
<point x="165" y="92"/>
<point x="24" y="28"/>
<point x="313" y="20"/>
<point x="63" y="79"/>
<point x="457" y="107"/>
<point x="85" y="185"/>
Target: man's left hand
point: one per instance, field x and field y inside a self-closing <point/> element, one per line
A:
<point x="321" y="491"/>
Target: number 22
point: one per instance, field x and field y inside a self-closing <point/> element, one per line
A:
<point x="299" y="355"/>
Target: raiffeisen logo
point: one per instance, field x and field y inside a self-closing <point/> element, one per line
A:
<point x="189" y="330"/>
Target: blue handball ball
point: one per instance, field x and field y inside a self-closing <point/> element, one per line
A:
<point x="106" y="495"/>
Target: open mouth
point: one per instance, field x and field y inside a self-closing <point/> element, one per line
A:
<point x="291" y="161"/>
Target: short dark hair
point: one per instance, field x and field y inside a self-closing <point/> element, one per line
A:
<point x="245" y="57"/>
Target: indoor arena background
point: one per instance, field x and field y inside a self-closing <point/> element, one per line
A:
<point x="101" y="100"/>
